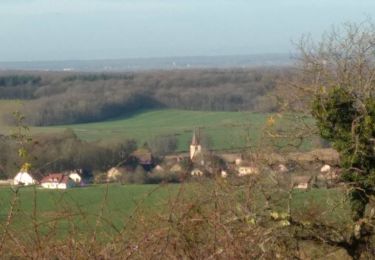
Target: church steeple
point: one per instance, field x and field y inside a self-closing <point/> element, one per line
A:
<point x="195" y="139"/>
<point x="195" y="146"/>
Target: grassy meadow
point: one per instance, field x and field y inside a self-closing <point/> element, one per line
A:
<point x="223" y="130"/>
<point x="116" y="204"/>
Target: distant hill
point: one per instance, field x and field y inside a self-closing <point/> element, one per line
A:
<point x="169" y="63"/>
<point x="56" y="98"/>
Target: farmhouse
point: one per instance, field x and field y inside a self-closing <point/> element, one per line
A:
<point x="301" y="182"/>
<point x="57" y="181"/>
<point x="325" y="168"/>
<point x="76" y="177"/>
<point x="114" y="174"/>
<point x="247" y="168"/>
<point x="231" y="158"/>
<point x="174" y="158"/>
<point x="159" y="168"/>
<point x="197" y="172"/>
<point x="24" y="178"/>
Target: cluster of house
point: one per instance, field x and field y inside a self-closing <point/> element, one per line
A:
<point x="201" y="163"/>
<point x="52" y="181"/>
<point x="232" y="164"/>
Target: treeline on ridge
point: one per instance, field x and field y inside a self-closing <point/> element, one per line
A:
<point x="67" y="98"/>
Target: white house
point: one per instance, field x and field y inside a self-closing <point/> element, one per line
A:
<point x="247" y="169"/>
<point x="158" y="168"/>
<point x="75" y="177"/>
<point x="24" y="178"/>
<point x="301" y="182"/>
<point x="196" y="172"/>
<point x="114" y="174"/>
<point x="238" y="161"/>
<point x="57" y="181"/>
<point x="325" y="168"/>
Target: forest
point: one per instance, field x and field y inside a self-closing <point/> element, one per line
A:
<point x="67" y="98"/>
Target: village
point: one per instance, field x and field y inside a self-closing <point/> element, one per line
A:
<point x="317" y="168"/>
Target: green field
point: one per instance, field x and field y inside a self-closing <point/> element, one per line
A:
<point x="223" y="130"/>
<point x="82" y="206"/>
<point x="117" y="203"/>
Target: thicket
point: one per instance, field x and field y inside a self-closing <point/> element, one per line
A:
<point x="59" y="98"/>
<point x="57" y="153"/>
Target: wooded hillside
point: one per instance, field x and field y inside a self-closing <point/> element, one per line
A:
<point x="66" y="98"/>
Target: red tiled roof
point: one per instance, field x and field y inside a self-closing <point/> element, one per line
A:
<point x="55" y="177"/>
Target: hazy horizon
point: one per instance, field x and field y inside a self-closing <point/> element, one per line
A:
<point x="47" y="30"/>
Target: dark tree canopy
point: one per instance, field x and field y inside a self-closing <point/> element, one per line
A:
<point x="351" y="130"/>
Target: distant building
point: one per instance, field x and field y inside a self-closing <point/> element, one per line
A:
<point x="144" y="157"/>
<point x="301" y="182"/>
<point x="197" y="172"/>
<point x="159" y="168"/>
<point x="75" y="176"/>
<point x="80" y="176"/>
<point x="325" y="168"/>
<point x="231" y="158"/>
<point x="24" y="178"/>
<point x="195" y="146"/>
<point x="57" y="181"/>
<point x="115" y="173"/>
<point x="246" y="168"/>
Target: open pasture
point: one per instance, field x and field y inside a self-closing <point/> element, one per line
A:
<point x="115" y="205"/>
<point x="111" y="205"/>
<point x="222" y="130"/>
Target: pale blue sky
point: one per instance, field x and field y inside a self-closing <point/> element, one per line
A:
<point x="110" y="29"/>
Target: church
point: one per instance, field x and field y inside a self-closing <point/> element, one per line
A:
<point x="195" y="146"/>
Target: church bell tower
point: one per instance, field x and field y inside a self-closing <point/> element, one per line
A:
<point x="195" y="146"/>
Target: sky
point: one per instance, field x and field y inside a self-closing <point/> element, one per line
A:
<point x="36" y="30"/>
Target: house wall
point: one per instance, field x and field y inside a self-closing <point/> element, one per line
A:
<point x="302" y="186"/>
<point x="75" y="177"/>
<point x="23" y="178"/>
<point x="196" y="173"/>
<point x="242" y="171"/>
<point x="54" y="185"/>
<point x="62" y="186"/>
<point x="49" y="185"/>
